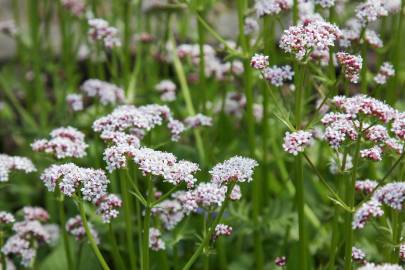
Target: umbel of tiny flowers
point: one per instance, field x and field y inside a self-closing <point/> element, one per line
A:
<point x="352" y="65"/>
<point x="65" y="142"/>
<point x="100" y="30"/>
<point x="107" y="93"/>
<point x="74" y="226"/>
<point x="271" y="7"/>
<point x="12" y="163"/>
<point x="29" y="234"/>
<point x="280" y="261"/>
<point x="167" y="90"/>
<point x="385" y="266"/>
<point x="224" y="177"/>
<point x="358" y="255"/>
<point x="386" y="71"/>
<point x="300" y="40"/>
<point x="296" y="142"/>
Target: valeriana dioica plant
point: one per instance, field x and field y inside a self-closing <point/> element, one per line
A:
<point x="189" y="134"/>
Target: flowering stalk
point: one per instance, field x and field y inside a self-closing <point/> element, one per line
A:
<point x="248" y="85"/>
<point x="209" y="234"/>
<point x="90" y="237"/>
<point x="363" y="72"/>
<point x="62" y="221"/>
<point x="187" y="96"/>
<point x="350" y="190"/>
<point x="146" y="225"/>
<point x="299" y="168"/>
<point x="202" y="77"/>
<point x="397" y="54"/>
<point x="2" y="255"/>
<point x="119" y="264"/>
<point x="396" y="235"/>
<point x="125" y="178"/>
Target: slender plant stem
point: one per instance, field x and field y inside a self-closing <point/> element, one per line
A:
<point x="92" y="241"/>
<point x="127" y="216"/>
<point x="187" y="96"/>
<point x="299" y="169"/>
<point x="3" y="257"/>
<point x="350" y="190"/>
<point x="248" y="85"/>
<point x="201" y="70"/>
<point x="119" y="263"/>
<point x="211" y="230"/>
<point x="146" y="225"/>
<point x="62" y="221"/>
<point x="397" y="55"/>
<point x="396" y="235"/>
<point x="295" y="11"/>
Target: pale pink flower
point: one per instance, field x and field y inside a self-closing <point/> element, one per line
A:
<point x="74" y="226"/>
<point x="237" y="168"/>
<point x="12" y="163"/>
<point x="64" y="142"/>
<point x="297" y="141"/>
<point x="222" y="230"/>
<point x="155" y="241"/>
<point x="107" y="207"/>
<point x="352" y="65"/>
<point x="259" y="61"/>
<point x="366" y="211"/>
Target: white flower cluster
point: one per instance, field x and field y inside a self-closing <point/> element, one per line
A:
<point x="277" y="75"/>
<point x="108" y="93"/>
<point x="391" y="194"/>
<point x="368" y="210"/>
<point x="366" y="186"/>
<point x="92" y="183"/>
<point x="28" y="235"/>
<point x="237" y="168"/>
<point x="75" y="102"/>
<point x="222" y="230"/>
<point x="370" y="11"/>
<point x="386" y="71"/>
<point x="386" y="266"/>
<point x="11" y="163"/>
<point x="297" y="141"/>
<point x="207" y="195"/>
<point x="6" y="218"/>
<point x="352" y="65"/>
<point x="167" y="90"/>
<point x="74" y="226"/>
<point x="155" y="241"/>
<point x="107" y="207"/>
<point x="259" y="61"/>
<point x="302" y="39"/>
<point x="65" y="142"/>
<point x="198" y="120"/>
<point x="358" y="255"/>
<point x="271" y="7"/>
<point x="100" y="30"/>
<point x="166" y="165"/>
<point x="214" y="67"/>
<point x="127" y="117"/>
<point x="76" y="7"/>
<point x="325" y="3"/>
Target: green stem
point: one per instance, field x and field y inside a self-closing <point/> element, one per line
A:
<point x="119" y="263"/>
<point x="363" y="72"/>
<point x="127" y="203"/>
<point x="295" y="12"/>
<point x="299" y="168"/>
<point x="146" y="225"/>
<point x="396" y="234"/>
<point x="397" y="55"/>
<point x="211" y="230"/>
<point x="186" y="95"/>
<point x="202" y="77"/>
<point x="3" y="257"/>
<point x="62" y="221"/>
<point x="92" y="241"/>
<point x="350" y="193"/>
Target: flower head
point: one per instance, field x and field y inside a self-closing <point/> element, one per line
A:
<point x="65" y="142"/>
<point x="6" y="218"/>
<point x="237" y="168"/>
<point x="167" y="90"/>
<point x="100" y="30"/>
<point x="358" y="255"/>
<point x="155" y="241"/>
<point x="107" y="207"/>
<point x="74" y="226"/>
<point x="297" y="141"/>
<point x="11" y="163"/>
<point x="222" y="230"/>
<point x="259" y="61"/>
<point x="107" y="93"/>
<point x="368" y="210"/>
<point x="352" y="65"/>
